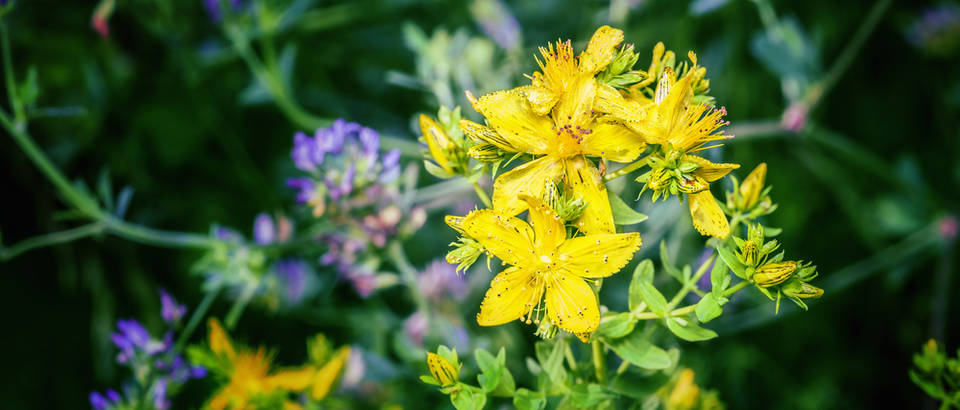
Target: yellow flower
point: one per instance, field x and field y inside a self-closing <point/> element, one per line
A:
<point x="752" y="186"/>
<point x="249" y="373"/>
<point x="554" y="119"/>
<point x="545" y="266"/>
<point x="685" y="392"/>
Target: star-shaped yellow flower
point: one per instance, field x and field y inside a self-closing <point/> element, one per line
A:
<point x="554" y="119"/>
<point x="250" y="375"/>
<point x="546" y="266"/>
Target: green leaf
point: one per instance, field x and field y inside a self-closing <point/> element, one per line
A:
<point x="616" y="325"/>
<point x="719" y="279"/>
<point x="429" y="380"/>
<point x="492" y="371"/>
<point x="687" y="329"/>
<point x="730" y="259"/>
<point x="667" y="262"/>
<point x="623" y="214"/>
<point x="708" y="308"/>
<point x="550" y="355"/>
<point x="468" y="398"/>
<point x="588" y="394"/>
<point x="528" y="400"/>
<point x="436" y="171"/>
<point x="637" y="350"/>
<point x="642" y="289"/>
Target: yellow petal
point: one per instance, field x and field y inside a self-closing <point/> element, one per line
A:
<point x="576" y="106"/>
<point x="289" y="405"/>
<point x="571" y="304"/>
<point x="584" y="180"/>
<point x="437" y="141"/>
<point x="509" y="114"/>
<point x="530" y="178"/>
<point x="559" y="67"/>
<point x="752" y="185"/>
<point x="601" y="50"/>
<point x="326" y="376"/>
<point x="630" y="111"/>
<point x="292" y="379"/>
<point x="707" y="216"/>
<point x="512" y="294"/>
<point x="613" y="142"/>
<point x="598" y="256"/>
<point x="541" y="97"/>
<point x="219" y="341"/>
<point x="548" y="227"/>
<point x="506" y="237"/>
<point x="219" y="401"/>
<point x="709" y="170"/>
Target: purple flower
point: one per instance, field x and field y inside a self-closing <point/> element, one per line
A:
<point x="160" y="401"/>
<point x="497" y="22"/>
<point x="264" y="232"/>
<point x="293" y="274"/>
<point x="214" y="8"/>
<point x="391" y="166"/>
<point x="305" y="186"/>
<point x="439" y="280"/>
<point x="305" y="153"/>
<point x="98" y="401"/>
<point x="226" y="234"/>
<point x="171" y="311"/>
<point x="415" y="327"/>
<point x="113" y="396"/>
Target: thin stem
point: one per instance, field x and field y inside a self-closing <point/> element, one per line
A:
<point x="599" y="361"/>
<point x="483" y="195"/>
<point x="50" y="239"/>
<point x="626" y="169"/>
<point x="569" y="355"/>
<point x="815" y="93"/>
<point x="688" y="309"/>
<point x="9" y="76"/>
<point x="197" y="315"/>
<point x="690" y="284"/>
<point x="233" y="316"/>
<point x="623" y="367"/>
<point x="409" y="275"/>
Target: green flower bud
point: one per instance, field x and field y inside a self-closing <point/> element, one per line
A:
<point x="774" y="273"/>
<point x="465" y="253"/>
<point x="750" y="255"/>
<point x="802" y="290"/>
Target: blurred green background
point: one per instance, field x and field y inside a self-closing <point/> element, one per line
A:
<point x="866" y="188"/>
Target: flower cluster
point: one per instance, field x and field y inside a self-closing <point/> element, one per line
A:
<point x="578" y="112"/>
<point x="357" y="191"/>
<point x="158" y="370"/>
<point x="754" y="263"/>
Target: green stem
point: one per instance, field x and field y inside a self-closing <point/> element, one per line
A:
<point x="569" y="355"/>
<point x="626" y="169"/>
<point x="599" y="361"/>
<point x="8" y="74"/>
<point x="233" y="316"/>
<point x="816" y="92"/>
<point x="50" y="239"/>
<point x="483" y="195"/>
<point x="197" y="315"/>
<point x="409" y="275"/>
<point x="623" y="367"/>
<point x="688" y="309"/>
<point x="692" y="283"/>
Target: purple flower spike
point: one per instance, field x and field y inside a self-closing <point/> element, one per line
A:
<point x="132" y="332"/>
<point x="391" y="166"/>
<point x="306" y="154"/>
<point x="171" y="311"/>
<point x="113" y="396"/>
<point x="293" y="274"/>
<point x="370" y="140"/>
<point x="264" y="232"/>
<point x="98" y="401"/>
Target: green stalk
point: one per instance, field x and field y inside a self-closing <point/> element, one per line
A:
<point x="196" y="317"/>
<point x="50" y="239"/>
<point x="482" y="195"/>
<point x="626" y="169"/>
<point x="689" y="309"/>
<point x="599" y="361"/>
<point x="409" y="276"/>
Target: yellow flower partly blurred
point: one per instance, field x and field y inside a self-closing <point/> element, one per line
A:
<point x="546" y="266"/>
<point x="251" y="379"/>
<point x="442" y="370"/>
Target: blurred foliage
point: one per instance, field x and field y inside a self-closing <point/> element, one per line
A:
<point x="865" y="171"/>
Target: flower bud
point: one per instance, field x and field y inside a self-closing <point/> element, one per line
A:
<point x="455" y="222"/>
<point x="684" y="393"/>
<point x="802" y="290"/>
<point x="752" y="186"/>
<point x="692" y="184"/>
<point x="774" y="273"/>
<point x="750" y="255"/>
<point x="465" y="253"/>
<point x="486" y="152"/>
<point x="439" y="144"/>
<point x="442" y="370"/>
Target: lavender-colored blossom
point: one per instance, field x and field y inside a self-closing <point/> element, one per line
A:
<point x="391" y="166"/>
<point x="171" y="311"/>
<point x="293" y="275"/>
<point x="415" y="327"/>
<point x="306" y="189"/>
<point x="160" y="400"/>
<point x="305" y="153"/>
<point x="226" y="234"/>
<point x="98" y="401"/>
<point x="113" y="395"/>
<point x="497" y="22"/>
<point x="215" y="10"/>
<point x="440" y="280"/>
<point x="937" y="29"/>
<point x="264" y="231"/>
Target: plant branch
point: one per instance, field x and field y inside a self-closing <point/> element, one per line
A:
<point x="50" y="239"/>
